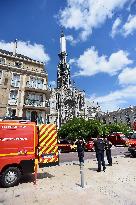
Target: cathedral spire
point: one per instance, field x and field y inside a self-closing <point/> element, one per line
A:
<point x="62" y="33"/>
<point x="63" y="72"/>
<point x="62" y="43"/>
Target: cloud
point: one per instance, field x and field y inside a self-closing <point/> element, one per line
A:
<point x="71" y="39"/>
<point x="85" y="15"/>
<point x="115" y="27"/>
<point x="128" y="76"/>
<point x="72" y="61"/>
<point x="130" y="26"/>
<point x="115" y="100"/>
<point x="34" y="51"/>
<point x="90" y="63"/>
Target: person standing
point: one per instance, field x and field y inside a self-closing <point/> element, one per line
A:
<point x="99" y="149"/>
<point x="108" y="146"/>
<point x="80" y="149"/>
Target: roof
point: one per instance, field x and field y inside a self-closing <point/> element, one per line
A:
<point x="19" y="56"/>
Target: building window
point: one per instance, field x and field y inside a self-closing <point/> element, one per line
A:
<point x="2" y="61"/>
<point x="15" y="80"/>
<point x="28" y="115"/>
<point x="11" y="112"/>
<point x="35" y="83"/>
<point x="40" y="119"/>
<point x="13" y="97"/>
<point x="34" y="100"/>
<point x="13" y="94"/>
<point x="18" y="64"/>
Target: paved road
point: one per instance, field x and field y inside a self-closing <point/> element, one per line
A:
<point x="72" y="156"/>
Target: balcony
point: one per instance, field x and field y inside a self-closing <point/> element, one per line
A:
<point x="15" y="83"/>
<point x="35" y="104"/>
<point x="12" y="102"/>
<point x="41" y="88"/>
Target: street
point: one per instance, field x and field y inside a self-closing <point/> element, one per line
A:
<point x="61" y="185"/>
<point x="72" y="156"/>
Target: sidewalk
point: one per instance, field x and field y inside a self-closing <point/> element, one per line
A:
<point x="60" y="185"/>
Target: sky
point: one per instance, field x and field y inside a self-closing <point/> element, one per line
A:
<point x="101" y="43"/>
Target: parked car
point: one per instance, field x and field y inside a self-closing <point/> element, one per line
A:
<point x="132" y="145"/>
<point x="64" y="145"/>
<point x="89" y="146"/>
<point x="118" y="138"/>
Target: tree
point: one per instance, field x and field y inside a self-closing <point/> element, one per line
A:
<point x="77" y="127"/>
<point x="119" y="127"/>
<point x="105" y="130"/>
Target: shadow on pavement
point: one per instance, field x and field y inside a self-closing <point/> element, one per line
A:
<point x="44" y="175"/>
<point x="128" y="156"/>
<point x="93" y="169"/>
<point x="76" y="164"/>
<point x="27" y="178"/>
<point x="30" y="177"/>
<point x="78" y="184"/>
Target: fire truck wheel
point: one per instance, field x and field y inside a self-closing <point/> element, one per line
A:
<point x="10" y="177"/>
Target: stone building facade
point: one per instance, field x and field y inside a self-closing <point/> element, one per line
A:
<point x="93" y="110"/>
<point x="126" y="115"/>
<point x="23" y="87"/>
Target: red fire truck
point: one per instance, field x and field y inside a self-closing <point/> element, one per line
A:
<point x="24" y="146"/>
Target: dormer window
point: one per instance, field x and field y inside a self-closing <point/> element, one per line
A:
<point x="2" y="61"/>
<point x="18" y="64"/>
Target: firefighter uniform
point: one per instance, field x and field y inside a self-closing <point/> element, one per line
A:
<point x="99" y="148"/>
<point x="108" y="146"/>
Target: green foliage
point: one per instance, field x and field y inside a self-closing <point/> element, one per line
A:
<point x="105" y="130"/>
<point x="79" y="127"/>
<point x="118" y="127"/>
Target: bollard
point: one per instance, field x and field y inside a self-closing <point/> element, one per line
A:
<point x="82" y="174"/>
<point x="35" y="170"/>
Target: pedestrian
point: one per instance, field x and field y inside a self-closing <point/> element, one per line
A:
<point x="80" y="149"/>
<point x="108" y="146"/>
<point x="99" y="149"/>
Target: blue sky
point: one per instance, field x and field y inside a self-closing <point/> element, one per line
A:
<point x="101" y="43"/>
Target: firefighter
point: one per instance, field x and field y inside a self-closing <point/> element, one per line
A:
<point x="108" y="146"/>
<point x="99" y="149"/>
<point x="80" y="149"/>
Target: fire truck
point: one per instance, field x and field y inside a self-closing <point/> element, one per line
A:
<point x="24" y="146"/>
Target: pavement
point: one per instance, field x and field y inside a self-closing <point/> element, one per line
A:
<point x="61" y="185"/>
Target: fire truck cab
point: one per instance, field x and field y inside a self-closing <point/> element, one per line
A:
<point x="22" y="143"/>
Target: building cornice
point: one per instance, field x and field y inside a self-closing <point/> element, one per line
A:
<point x="23" y="71"/>
<point x="19" y="57"/>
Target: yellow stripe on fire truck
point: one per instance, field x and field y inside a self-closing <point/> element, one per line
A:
<point x="48" y="148"/>
<point x="48" y="145"/>
<point x="44" y="131"/>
